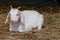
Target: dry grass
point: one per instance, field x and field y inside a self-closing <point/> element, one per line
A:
<point x="51" y="30"/>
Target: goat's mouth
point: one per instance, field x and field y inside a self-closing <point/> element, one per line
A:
<point x="14" y="22"/>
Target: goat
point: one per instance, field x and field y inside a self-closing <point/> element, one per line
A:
<point x="24" y="21"/>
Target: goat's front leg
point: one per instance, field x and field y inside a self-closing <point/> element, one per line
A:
<point x="21" y="28"/>
<point x="10" y="28"/>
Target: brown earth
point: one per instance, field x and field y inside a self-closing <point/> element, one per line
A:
<point x="50" y="31"/>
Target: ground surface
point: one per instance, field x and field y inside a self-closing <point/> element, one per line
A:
<point x="50" y="31"/>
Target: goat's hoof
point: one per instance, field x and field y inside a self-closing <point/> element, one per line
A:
<point x="21" y="31"/>
<point x="10" y="29"/>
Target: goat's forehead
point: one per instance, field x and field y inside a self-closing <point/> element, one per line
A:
<point x="13" y="11"/>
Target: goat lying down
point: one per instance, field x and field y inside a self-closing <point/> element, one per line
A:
<point x="24" y="21"/>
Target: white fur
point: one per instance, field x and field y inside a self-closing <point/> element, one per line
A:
<point x="29" y="19"/>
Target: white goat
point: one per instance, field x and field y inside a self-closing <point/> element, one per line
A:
<point x="24" y="21"/>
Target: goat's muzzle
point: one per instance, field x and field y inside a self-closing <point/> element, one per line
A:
<point x="12" y="21"/>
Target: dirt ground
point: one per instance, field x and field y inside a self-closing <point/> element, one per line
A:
<point x="50" y="30"/>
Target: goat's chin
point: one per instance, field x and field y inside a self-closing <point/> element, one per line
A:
<point x="13" y="22"/>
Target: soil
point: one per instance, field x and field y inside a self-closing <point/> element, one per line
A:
<point x="50" y="30"/>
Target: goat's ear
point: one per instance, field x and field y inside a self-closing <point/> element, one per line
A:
<point x="10" y="6"/>
<point x="7" y="18"/>
<point x="22" y="18"/>
<point x="18" y="7"/>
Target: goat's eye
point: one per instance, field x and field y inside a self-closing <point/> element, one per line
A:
<point x="17" y="14"/>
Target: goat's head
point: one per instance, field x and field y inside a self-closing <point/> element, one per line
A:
<point x="14" y="14"/>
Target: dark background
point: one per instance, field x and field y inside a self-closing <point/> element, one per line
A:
<point x="28" y="1"/>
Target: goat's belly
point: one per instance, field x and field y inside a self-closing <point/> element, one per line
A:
<point x="31" y="21"/>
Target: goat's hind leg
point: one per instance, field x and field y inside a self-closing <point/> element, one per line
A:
<point x="40" y="24"/>
<point x="28" y="28"/>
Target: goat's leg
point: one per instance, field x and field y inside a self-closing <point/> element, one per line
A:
<point x="40" y="23"/>
<point x="28" y="28"/>
<point x="21" y="28"/>
<point x="10" y="28"/>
